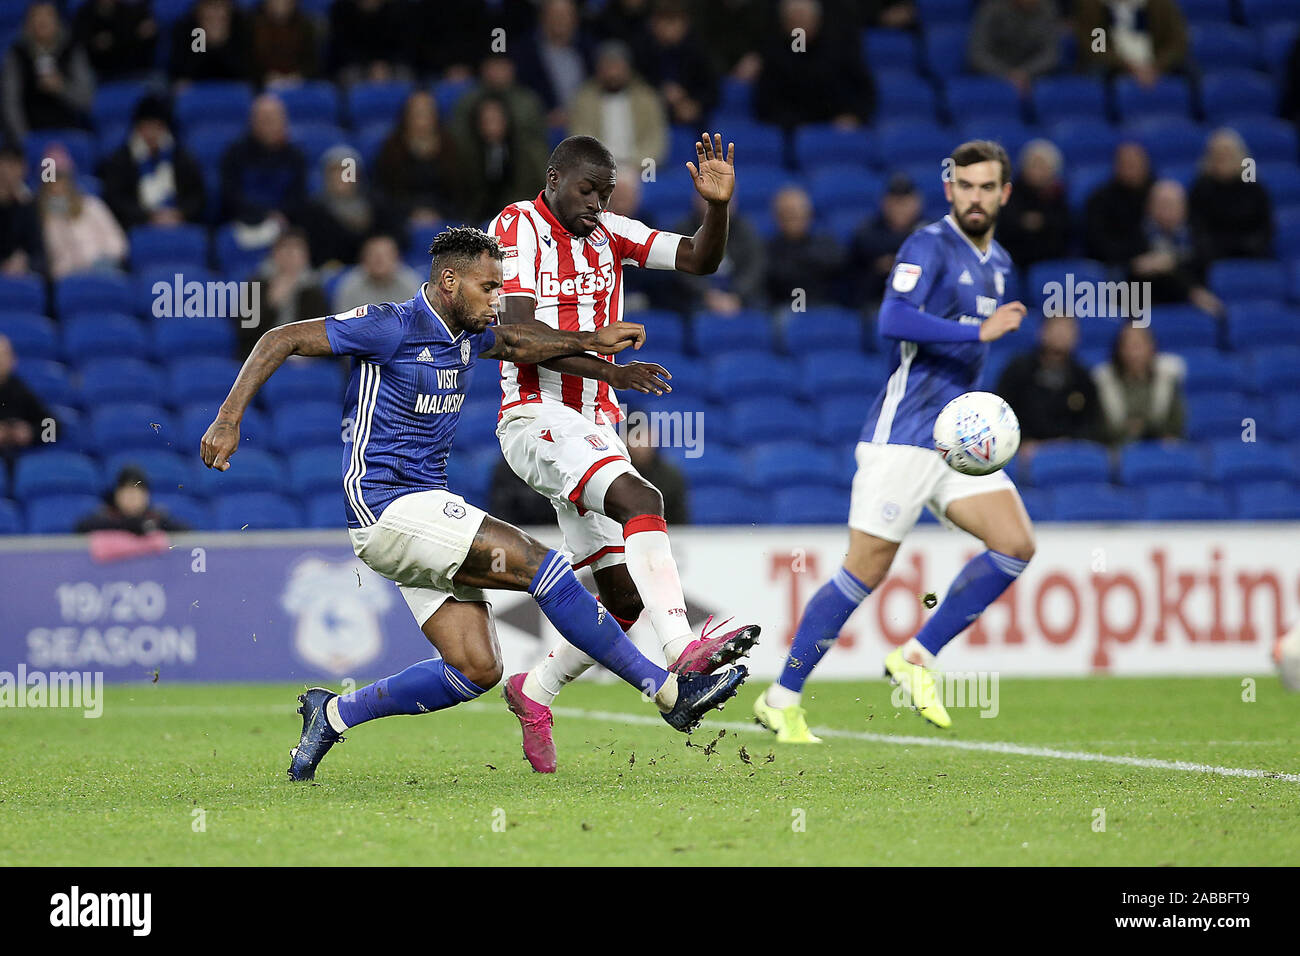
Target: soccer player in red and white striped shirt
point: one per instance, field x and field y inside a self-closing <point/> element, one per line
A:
<point x="564" y="266"/>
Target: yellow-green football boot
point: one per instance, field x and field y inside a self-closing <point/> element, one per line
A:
<point x="920" y="686"/>
<point x="790" y="724"/>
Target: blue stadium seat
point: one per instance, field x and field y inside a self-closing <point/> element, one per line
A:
<point x="1037" y="503"/>
<point x="1268" y="139"/>
<point x="151" y="245"/>
<point x="1068" y="463"/>
<point x="1235" y="462"/>
<point x="764" y="419"/>
<point x="56" y="473"/>
<point x="889" y="50"/>
<point x="944" y="51"/>
<point x="1286" y="234"/>
<point x="1213" y="415"/>
<point x="234" y="260"/>
<point x="763" y="143"/>
<point x="59" y="514"/>
<point x="665" y="330"/>
<point x="1078" y="97"/>
<point x="1186" y="501"/>
<point x="79" y="144"/>
<point x="823" y="327"/>
<point x="105" y="380"/>
<point x="1222" y="45"/>
<point x="1267" y="501"/>
<point x="1095" y="503"/>
<point x="156" y="294"/>
<point x="1269" y="13"/>
<point x="902" y="96"/>
<point x="130" y="426"/>
<point x="304" y="380"/>
<point x="316" y="139"/>
<point x="762" y="182"/>
<point x="254" y="429"/>
<point x="719" y="504"/>
<point x="1274" y="369"/>
<point x="200" y="379"/>
<point x="377" y="102"/>
<point x="1253" y="325"/>
<point x="1209" y="370"/>
<point x="49" y="380"/>
<point x="1147" y="463"/>
<point x="1215" y="11"/>
<point x="934" y="12"/>
<point x="810" y="504"/>
<point x="184" y="337"/>
<point x="1236" y="93"/>
<point x="169" y="471"/>
<point x="780" y="463"/>
<point x="70" y="433"/>
<point x="448" y="93"/>
<point x="1236" y="280"/>
<point x="251" y="469"/>
<point x="735" y="98"/>
<point x="903" y="142"/>
<point x="207" y="141"/>
<point x="1168" y="140"/>
<point x="92" y="292"/>
<point x="101" y="335"/>
<point x="22" y="294"/>
<point x="213" y="101"/>
<point x="255" y="511"/>
<point x="664" y="202"/>
<point x="1086" y="141"/>
<point x="477" y="426"/>
<point x="1011" y="133"/>
<point x="298" y="425"/>
<point x="31" y="335"/>
<point x="1277" y="44"/>
<point x="184" y="508"/>
<point x="1057" y="271"/>
<point x="718" y="465"/>
<point x="981" y="96"/>
<point x="11" y="517"/>
<point x="314" y="470"/>
<point x="312" y="102"/>
<point x="325" y="510"/>
<point x="842" y="185"/>
<point x="840" y="420"/>
<point x="1180" y="327"/>
<point x="714" y="334"/>
<point x="735" y="376"/>
<point x="832" y="372"/>
<point x="1169" y="96"/>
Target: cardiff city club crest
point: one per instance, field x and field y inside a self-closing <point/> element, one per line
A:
<point x="338" y="605"/>
<point x="464" y="352"/>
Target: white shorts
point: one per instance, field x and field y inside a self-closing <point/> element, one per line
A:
<point x="894" y="482"/>
<point x="572" y="461"/>
<point x="420" y="541"/>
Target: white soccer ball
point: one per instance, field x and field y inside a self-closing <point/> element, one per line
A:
<point x="977" y="433"/>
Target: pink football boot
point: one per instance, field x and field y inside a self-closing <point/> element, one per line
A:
<point x="535" y="720"/>
<point x="713" y="650"/>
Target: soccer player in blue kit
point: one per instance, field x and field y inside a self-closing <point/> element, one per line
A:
<point x="410" y="369"/>
<point x="943" y="305"/>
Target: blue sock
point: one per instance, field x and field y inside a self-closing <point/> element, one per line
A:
<point x="978" y="585"/>
<point x="589" y="627"/>
<point x="420" y="689"/>
<point x="822" y="620"/>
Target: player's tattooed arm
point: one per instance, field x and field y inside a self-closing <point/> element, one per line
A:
<point x="646" y="377"/>
<point x="715" y="181"/>
<point x="297" y="338"/>
<point x="532" y="341"/>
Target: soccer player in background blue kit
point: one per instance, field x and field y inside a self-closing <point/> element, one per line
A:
<point x="411" y="364"/>
<point x="943" y="305"/>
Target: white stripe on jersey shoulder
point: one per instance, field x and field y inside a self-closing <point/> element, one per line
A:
<point x="363" y="379"/>
<point x="434" y="312"/>
<point x="894" y="392"/>
<point x="983" y="256"/>
<point x="368" y="393"/>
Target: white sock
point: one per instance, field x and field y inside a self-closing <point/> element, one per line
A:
<point x="654" y="572"/>
<point x="782" y="697"/>
<point x="914" y="652"/>
<point x="332" y="715"/>
<point x="666" y="699"/>
<point x="563" y="665"/>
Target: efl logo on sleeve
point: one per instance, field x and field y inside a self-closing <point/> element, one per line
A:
<point x="906" y="276"/>
<point x="356" y="313"/>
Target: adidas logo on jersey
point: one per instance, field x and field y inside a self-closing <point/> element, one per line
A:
<point x="965" y="278"/>
<point x="425" y="355"/>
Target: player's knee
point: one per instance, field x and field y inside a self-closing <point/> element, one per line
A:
<point x="624" y="606"/>
<point x="1020" y="547"/>
<point x="628" y="499"/>
<point x="485" y="672"/>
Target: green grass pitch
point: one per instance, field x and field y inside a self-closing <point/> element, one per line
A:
<point x="452" y="787"/>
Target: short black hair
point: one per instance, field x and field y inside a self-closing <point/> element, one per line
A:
<point x="459" y="247"/>
<point x="579" y="151"/>
<point x="983" y="151"/>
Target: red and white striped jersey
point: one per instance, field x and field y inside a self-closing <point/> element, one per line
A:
<point x="577" y="285"/>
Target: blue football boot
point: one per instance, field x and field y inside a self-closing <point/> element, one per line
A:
<point x="317" y="734"/>
<point x="697" y="694"/>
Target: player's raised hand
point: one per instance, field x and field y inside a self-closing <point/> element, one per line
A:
<point x="715" y="178"/>
<point x="614" y="338"/>
<point x="1006" y="318"/>
<point x="644" y="377"/>
<point x="220" y="441"/>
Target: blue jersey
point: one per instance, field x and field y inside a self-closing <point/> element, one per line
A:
<point x="408" y="382"/>
<point x="939" y="271"/>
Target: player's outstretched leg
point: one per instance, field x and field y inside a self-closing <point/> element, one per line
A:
<point x="999" y="520"/>
<point x="780" y="707"/>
